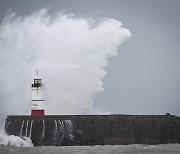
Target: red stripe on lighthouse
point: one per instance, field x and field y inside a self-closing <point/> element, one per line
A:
<point x="37" y="112"/>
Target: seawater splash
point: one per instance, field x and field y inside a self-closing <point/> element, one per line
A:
<point x="27" y="123"/>
<point x="30" y="132"/>
<point x="61" y="131"/>
<point x="60" y="126"/>
<point x="69" y="128"/>
<point x="11" y="140"/>
<point x="56" y="127"/>
<point x="43" y="130"/>
<point x="70" y="53"/>
<point x="63" y="128"/>
<point x="7" y="124"/>
<point x="21" y="131"/>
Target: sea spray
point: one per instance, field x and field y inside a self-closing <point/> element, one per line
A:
<point x="27" y="123"/>
<point x="11" y="140"/>
<point x="21" y="131"/>
<point x="30" y="132"/>
<point x="69" y="52"/>
<point x="43" y="129"/>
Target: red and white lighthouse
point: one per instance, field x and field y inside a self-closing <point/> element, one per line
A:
<point x="37" y="108"/>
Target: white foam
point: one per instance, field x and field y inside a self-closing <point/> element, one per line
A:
<point x="11" y="140"/>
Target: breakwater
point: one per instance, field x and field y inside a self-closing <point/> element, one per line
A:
<point x="57" y="130"/>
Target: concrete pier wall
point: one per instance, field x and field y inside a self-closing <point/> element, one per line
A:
<point x="95" y="129"/>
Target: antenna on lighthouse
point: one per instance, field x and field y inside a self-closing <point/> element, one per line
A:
<point x="37" y="108"/>
<point x="37" y="74"/>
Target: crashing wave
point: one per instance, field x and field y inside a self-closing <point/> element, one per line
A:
<point x="11" y="140"/>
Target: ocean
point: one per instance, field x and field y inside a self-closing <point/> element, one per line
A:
<point x="106" y="149"/>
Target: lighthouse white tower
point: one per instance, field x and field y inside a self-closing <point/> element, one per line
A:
<point x="37" y="108"/>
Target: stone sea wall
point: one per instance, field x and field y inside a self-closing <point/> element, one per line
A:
<point x="57" y="130"/>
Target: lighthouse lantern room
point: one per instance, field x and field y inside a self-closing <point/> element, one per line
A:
<point x="37" y="108"/>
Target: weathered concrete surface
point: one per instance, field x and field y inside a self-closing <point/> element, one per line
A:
<point x="96" y="129"/>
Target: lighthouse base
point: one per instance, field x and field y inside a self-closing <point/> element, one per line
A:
<point x="37" y="112"/>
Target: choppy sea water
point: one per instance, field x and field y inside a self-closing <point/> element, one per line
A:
<point x="107" y="149"/>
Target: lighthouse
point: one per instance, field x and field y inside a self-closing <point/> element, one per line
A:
<point x="37" y="108"/>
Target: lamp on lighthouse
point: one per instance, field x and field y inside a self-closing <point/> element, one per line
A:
<point x="37" y="108"/>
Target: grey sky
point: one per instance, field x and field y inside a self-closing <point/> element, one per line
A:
<point x="144" y="78"/>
